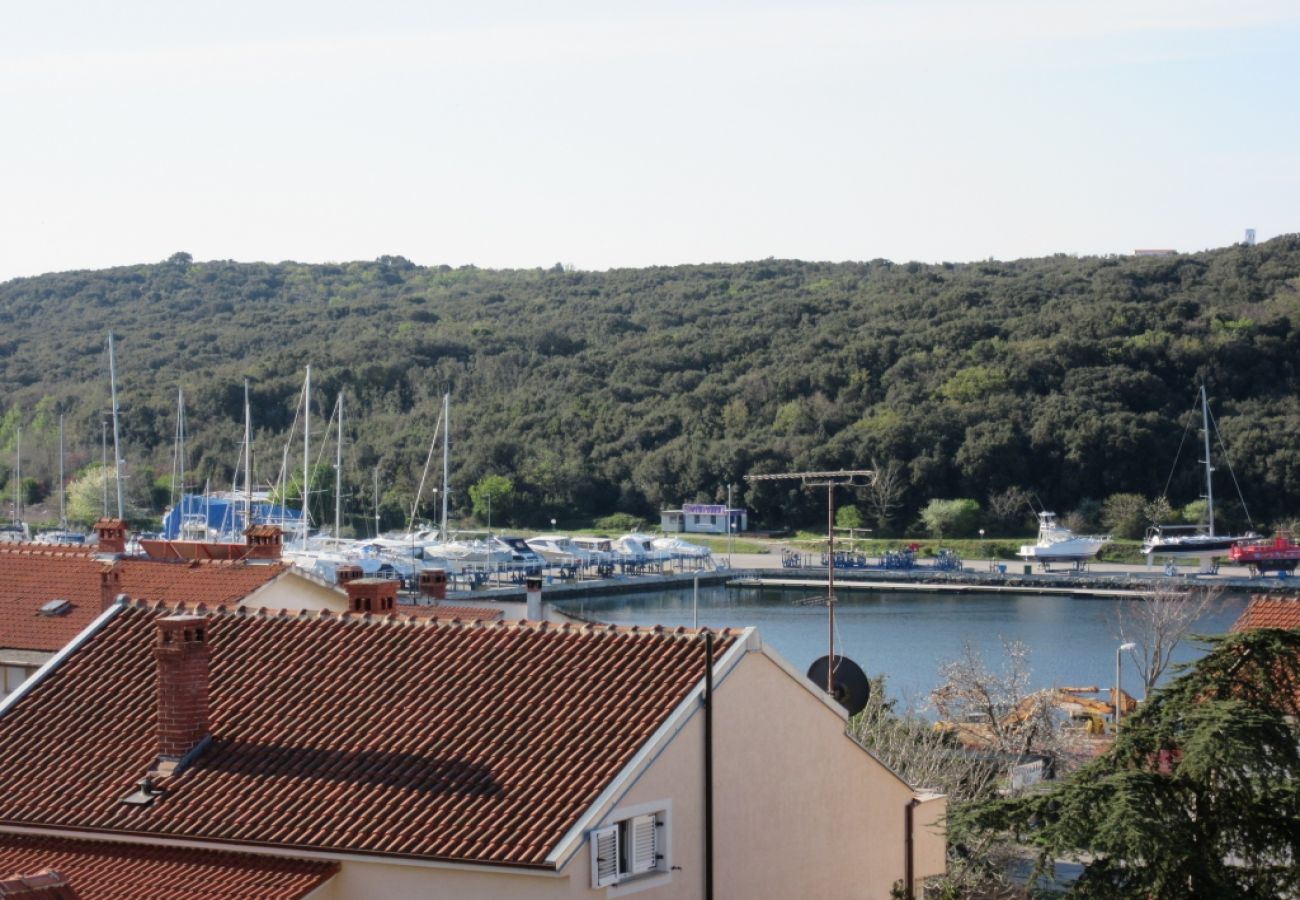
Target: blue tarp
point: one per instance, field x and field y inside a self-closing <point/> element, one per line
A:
<point x="226" y="516"/>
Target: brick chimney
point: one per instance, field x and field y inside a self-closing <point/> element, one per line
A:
<point x="377" y="595"/>
<point x="111" y="534"/>
<point x="110" y="583"/>
<point x="264" y="541"/>
<point x="181" y="649"/>
<point x="344" y="574"/>
<point x="433" y="583"/>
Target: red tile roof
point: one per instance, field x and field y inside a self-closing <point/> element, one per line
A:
<point x="447" y="611"/>
<point x="49" y="549"/>
<point x="133" y="872"/>
<point x="410" y="737"/>
<point x="211" y="582"/>
<point x="1269" y="612"/>
<point x="29" y="578"/>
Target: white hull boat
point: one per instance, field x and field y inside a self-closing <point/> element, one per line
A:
<point x="1056" y="543"/>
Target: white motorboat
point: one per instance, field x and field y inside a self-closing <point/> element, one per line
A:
<point x="639" y="549"/>
<point x="594" y="545"/>
<point x="563" y="550"/>
<point x="680" y="549"/>
<point x="1056" y="543"/>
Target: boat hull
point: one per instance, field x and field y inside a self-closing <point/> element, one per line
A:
<point x="1192" y="548"/>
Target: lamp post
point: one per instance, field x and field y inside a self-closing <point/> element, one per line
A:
<point x="1119" y="703"/>
<point x="984" y="550"/>
<point x="552" y="526"/>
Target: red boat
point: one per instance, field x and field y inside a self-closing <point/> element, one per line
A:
<point x="1282" y="554"/>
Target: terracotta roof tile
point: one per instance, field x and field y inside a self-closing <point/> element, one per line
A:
<point x="446" y="611"/>
<point x="29" y="578"/>
<point x="132" y="872"/>
<point x="466" y="742"/>
<point x="1269" y="612"/>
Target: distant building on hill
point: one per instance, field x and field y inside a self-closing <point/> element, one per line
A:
<point x="1155" y="252"/>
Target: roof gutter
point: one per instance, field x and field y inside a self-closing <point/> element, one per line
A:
<point x="154" y="840"/>
<point x="68" y="649"/>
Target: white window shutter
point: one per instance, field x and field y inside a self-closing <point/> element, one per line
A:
<point x="644" y="836"/>
<point x="604" y="856"/>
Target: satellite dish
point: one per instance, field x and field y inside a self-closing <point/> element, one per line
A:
<point x="849" y="684"/>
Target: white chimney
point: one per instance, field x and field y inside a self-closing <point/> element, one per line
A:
<point x="533" y="589"/>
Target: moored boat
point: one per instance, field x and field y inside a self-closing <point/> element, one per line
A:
<point x="1056" y="543"/>
<point x="1195" y="541"/>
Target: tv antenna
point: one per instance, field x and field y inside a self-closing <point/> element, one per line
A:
<point x="830" y="481"/>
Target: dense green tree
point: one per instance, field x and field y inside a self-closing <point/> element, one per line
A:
<point x="951" y="518"/>
<point x="1197" y="798"/>
<point x="493" y="498"/>
<point x="1125" y="515"/>
<point x="635" y="389"/>
<point x="849" y="516"/>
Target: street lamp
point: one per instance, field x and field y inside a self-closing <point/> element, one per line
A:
<point x="552" y="526"/>
<point x="1119" y="703"/>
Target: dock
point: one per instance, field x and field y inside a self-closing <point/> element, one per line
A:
<point x="950" y="587"/>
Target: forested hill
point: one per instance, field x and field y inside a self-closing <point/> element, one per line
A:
<point x="640" y="388"/>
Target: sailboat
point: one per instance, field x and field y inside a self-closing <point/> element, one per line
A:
<point x="1194" y="541"/>
<point x="17" y="531"/>
<point x="64" y="534"/>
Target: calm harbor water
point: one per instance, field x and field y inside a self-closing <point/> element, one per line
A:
<point x="907" y="635"/>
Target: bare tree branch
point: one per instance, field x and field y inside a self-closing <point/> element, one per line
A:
<point x="1158" y="622"/>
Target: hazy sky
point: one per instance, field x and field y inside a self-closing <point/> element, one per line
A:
<point x="604" y="134"/>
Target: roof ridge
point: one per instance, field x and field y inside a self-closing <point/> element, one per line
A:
<point x="399" y="619"/>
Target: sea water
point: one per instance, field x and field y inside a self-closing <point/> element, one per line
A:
<point x="908" y="635"/>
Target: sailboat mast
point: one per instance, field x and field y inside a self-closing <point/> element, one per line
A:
<point x="178" y="455"/>
<point x="248" y="461"/>
<point x="446" y="456"/>
<point x="117" y="450"/>
<point x="63" y="493"/>
<point x="338" y="474"/>
<point x="1209" y="469"/>
<point x="376" y="501"/>
<point x="18" y="479"/>
<point x="306" y="450"/>
<point x="103" y="461"/>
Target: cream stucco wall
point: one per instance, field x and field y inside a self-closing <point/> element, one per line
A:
<point x="800" y="810"/>
<point x="292" y="591"/>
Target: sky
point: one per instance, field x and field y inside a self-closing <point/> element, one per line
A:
<point x="612" y="134"/>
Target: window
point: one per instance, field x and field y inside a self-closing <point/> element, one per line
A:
<point x="632" y="848"/>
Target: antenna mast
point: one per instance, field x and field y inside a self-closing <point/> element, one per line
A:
<point x="830" y="481"/>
